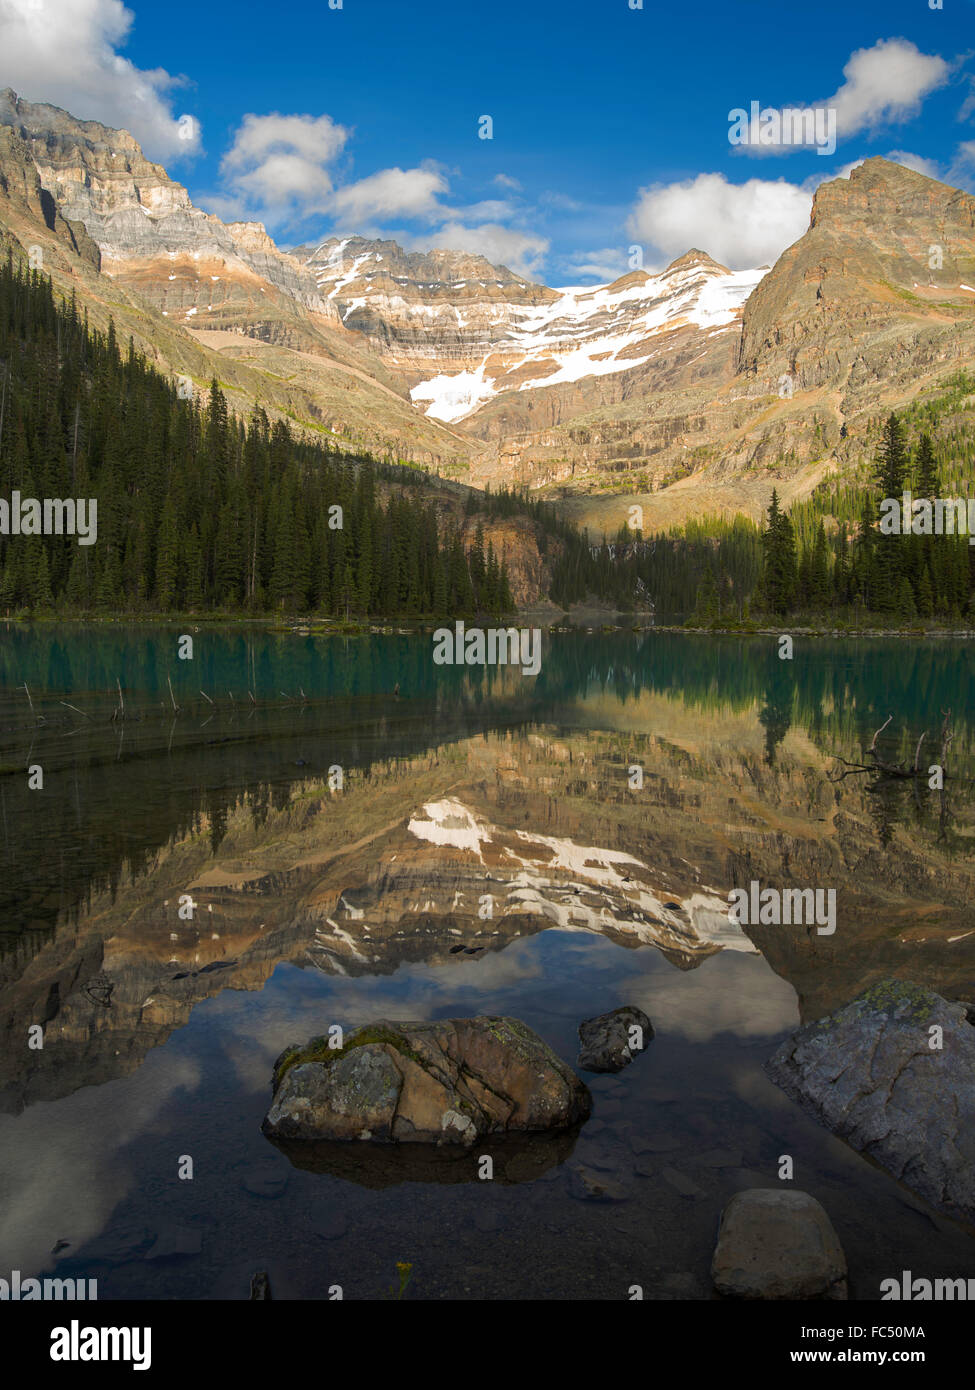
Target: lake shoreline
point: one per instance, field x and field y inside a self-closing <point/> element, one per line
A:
<point x="584" y="620"/>
<point x="595" y="620"/>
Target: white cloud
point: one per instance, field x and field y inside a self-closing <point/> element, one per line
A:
<point x="603" y="266"/>
<point x="64" y="1166"/>
<point x="732" y="993"/>
<point x="917" y="162"/>
<point x="519" y="251"/>
<point x="560" y="202"/>
<point x="315" y="138"/>
<point x="281" y="169"/>
<point x="962" y="171"/>
<point x="968" y="105"/>
<point x="487" y="210"/>
<point x="281" y="179"/>
<point x="227" y="208"/>
<point x="885" y="85"/>
<point x="64" y="52"/>
<point x="410" y="193"/>
<point x="279" y="162"/>
<point x="740" y="225"/>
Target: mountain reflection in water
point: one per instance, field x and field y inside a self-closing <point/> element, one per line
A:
<point x="477" y="810"/>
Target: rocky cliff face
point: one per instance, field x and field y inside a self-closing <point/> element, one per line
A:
<point x="888" y="264"/>
<point x="423" y="311"/>
<point x="872" y="307"/>
<point x="200" y="297"/>
<point x="186" y="262"/>
<point x="24" y="197"/>
<point x="469" y="332"/>
<point x="692" y="390"/>
<point x="695" y="389"/>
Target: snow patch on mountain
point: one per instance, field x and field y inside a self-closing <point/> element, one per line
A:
<point x="589" y="332"/>
<point x="452" y="397"/>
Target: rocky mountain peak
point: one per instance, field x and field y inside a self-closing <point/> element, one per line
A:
<point x="879" y="187"/>
<point x="885" y="245"/>
<point x="67" y="150"/>
<point x="694" y="259"/>
<point x="188" y="263"/>
<point x="25" y="202"/>
<point x="439" y="264"/>
<point x="671" y="376"/>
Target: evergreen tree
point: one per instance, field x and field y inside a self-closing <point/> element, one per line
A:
<point x="820" y="587"/>
<point x="906" y="607"/>
<point x="926" y="470"/>
<point x="779" y="573"/>
<point x="891" y="471"/>
<point x="167" y="550"/>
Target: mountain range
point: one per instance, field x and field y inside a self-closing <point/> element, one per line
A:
<point x="690" y="390"/>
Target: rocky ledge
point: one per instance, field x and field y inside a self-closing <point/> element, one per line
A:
<point x="893" y="1073"/>
<point x="448" y="1082"/>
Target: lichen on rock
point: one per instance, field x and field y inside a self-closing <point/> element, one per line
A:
<point x="450" y="1081"/>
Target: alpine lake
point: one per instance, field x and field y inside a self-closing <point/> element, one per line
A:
<point x="335" y="810"/>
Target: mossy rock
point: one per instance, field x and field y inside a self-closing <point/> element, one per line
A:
<point x="319" y="1049"/>
<point x="446" y="1080"/>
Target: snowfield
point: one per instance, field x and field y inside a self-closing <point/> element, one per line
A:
<point x="584" y="331"/>
<point x="594" y="332"/>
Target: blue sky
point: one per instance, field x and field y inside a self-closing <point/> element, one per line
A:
<point x="610" y="124"/>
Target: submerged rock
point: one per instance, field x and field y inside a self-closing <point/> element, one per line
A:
<point x="606" y="1040"/>
<point x="265" y="1182"/>
<point x="174" y="1240"/>
<point x="776" y="1243"/>
<point x="872" y="1073"/>
<point x="448" y="1082"/>
<point x="681" y="1183"/>
<point x="587" y="1185"/>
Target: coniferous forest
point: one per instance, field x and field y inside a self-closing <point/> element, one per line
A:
<point x="199" y="510"/>
<point x="826" y="557"/>
<point x="670" y="572"/>
<point x="856" y="567"/>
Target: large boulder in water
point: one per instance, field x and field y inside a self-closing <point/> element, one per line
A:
<point x="446" y="1082"/>
<point x="777" y="1243"/>
<point x="893" y="1073"/>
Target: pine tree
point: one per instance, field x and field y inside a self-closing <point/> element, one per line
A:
<point x="167" y="547"/>
<point x="925" y="593"/>
<point x="193" y="598"/>
<point x="478" y="570"/>
<point x="926" y="482"/>
<point x="906" y="607"/>
<point x="891" y="470"/>
<point x="37" y="574"/>
<point x="819" y="573"/>
<point x="890" y="550"/>
<point x="779" y="573"/>
<point x="706" y="608"/>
